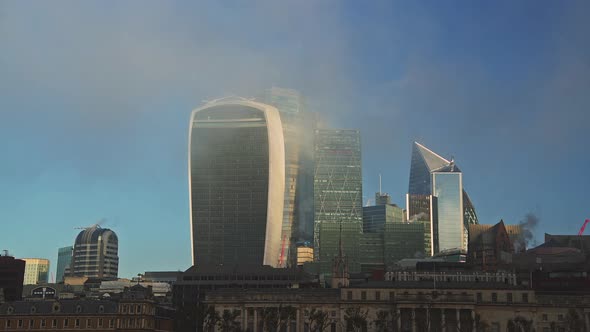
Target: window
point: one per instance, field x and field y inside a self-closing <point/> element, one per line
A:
<point x="54" y="323"/>
<point x="131" y="309"/>
<point x="349" y="295"/>
<point x="391" y="296"/>
<point x="544" y="317"/>
<point x="77" y="323"/>
<point x="101" y="309"/>
<point x="8" y="323"/>
<point x="333" y="313"/>
<point x="10" y="310"/>
<point x="31" y="324"/>
<point x="494" y="297"/>
<point x="78" y="309"/>
<point x="66" y="322"/>
<point x="363" y="295"/>
<point x="378" y="295"/>
<point x="88" y="323"/>
<point x="43" y="323"/>
<point x="509" y="297"/>
<point x="138" y="309"/>
<point x="525" y="297"/>
<point x="111" y="323"/>
<point x="33" y="309"/>
<point x="560" y="317"/>
<point x="479" y="297"/>
<point x="100" y="322"/>
<point x="56" y="307"/>
<point x="495" y="327"/>
<point x="20" y="323"/>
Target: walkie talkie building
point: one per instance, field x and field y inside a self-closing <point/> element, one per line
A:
<point x="236" y="182"/>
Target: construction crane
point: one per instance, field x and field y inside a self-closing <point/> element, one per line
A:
<point x="583" y="227"/>
<point x="281" y="258"/>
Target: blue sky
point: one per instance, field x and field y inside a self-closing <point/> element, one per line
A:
<point x="95" y="102"/>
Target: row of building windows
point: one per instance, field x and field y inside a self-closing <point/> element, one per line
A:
<point x="55" y="323"/>
<point x="379" y="296"/>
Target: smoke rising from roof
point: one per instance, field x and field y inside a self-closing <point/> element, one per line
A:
<point x="528" y="226"/>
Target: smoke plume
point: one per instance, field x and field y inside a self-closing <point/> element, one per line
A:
<point x="527" y="226"/>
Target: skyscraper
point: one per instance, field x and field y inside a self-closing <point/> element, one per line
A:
<point x="337" y="194"/>
<point x="96" y="253"/>
<point x="236" y="182"/>
<point x="64" y="260"/>
<point x="298" y="186"/>
<point x="36" y="271"/>
<point x="441" y="181"/>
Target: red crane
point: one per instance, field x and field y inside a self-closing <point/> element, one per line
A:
<point x="281" y="258"/>
<point x="583" y="227"/>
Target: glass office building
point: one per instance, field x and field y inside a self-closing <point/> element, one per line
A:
<point x="451" y="210"/>
<point x="96" y="254"/>
<point x="298" y="184"/>
<point x="337" y="193"/>
<point x="375" y="217"/>
<point x="236" y="183"/>
<point x="64" y="260"/>
<point x="36" y="271"/>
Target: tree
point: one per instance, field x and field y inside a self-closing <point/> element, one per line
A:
<point x="285" y="315"/>
<point x="210" y="318"/>
<point x="480" y="324"/>
<point x="383" y="323"/>
<point x="228" y="322"/>
<point x="520" y="324"/>
<point x="269" y="318"/>
<point x="573" y="321"/>
<point x="356" y="319"/>
<point x="318" y="320"/>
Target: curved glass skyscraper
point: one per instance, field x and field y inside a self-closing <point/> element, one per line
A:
<point x="236" y="182"/>
<point x="450" y="211"/>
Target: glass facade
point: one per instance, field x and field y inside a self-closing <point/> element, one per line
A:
<point x="375" y="217"/>
<point x="232" y="178"/>
<point x="64" y="260"/>
<point x="448" y="188"/>
<point x="425" y="164"/>
<point x="36" y="271"/>
<point x="329" y="234"/>
<point x="291" y="107"/>
<point x="337" y="192"/>
<point x="229" y="168"/>
<point x="96" y="253"/>
<point x="403" y="240"/>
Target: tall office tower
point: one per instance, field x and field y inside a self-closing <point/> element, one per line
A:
<point x="423" y="209"/>
<point x="291" y="107"/>
<point x="95" y="253"/>
<point x="12" y="272"/>
<point x="64" y="260"/>
<point x="36" y="271"/>
<point x="236" y="182"/>
<point x="375" y="217"/>
<point x="337" y="194"/>
<point x="431" y="174"/>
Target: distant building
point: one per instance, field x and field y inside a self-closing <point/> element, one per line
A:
<point x="36" y="271"/>
<point x="64" y="260"/>
<point x="12" y="273"/>
<point x="489" y="245"/>
<point x="304" y="255"/>
<point x="297" y="205"/>
<point x="403" y="240"/>
<point x="337" y="195"/>
<point x="431" y="174"/>
<point x="423" y="209"/>
<point x="96" y="254"/>
<point x="375" y="217"/>
<point x="133" y="310"/>
<point x="382" y="198"/>
<point x="236" y="183"/>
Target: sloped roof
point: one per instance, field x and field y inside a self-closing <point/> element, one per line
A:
<point x="433" y="161"/>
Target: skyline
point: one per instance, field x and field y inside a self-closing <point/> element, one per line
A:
<point x="94" y="115"/>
